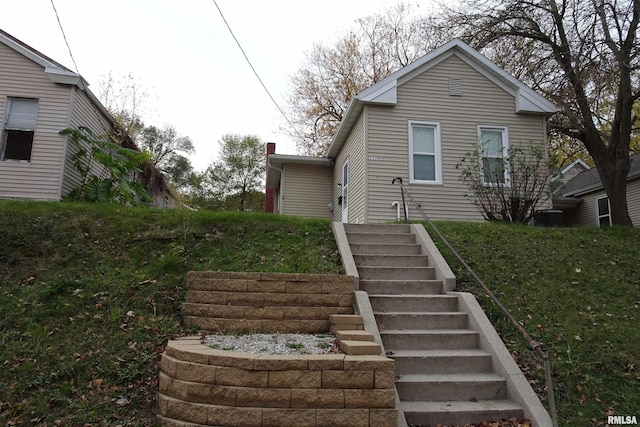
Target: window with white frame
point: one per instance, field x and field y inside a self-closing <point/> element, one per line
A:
<point x="494" y="144"/>
<point x="603" y="208"/>
<point x="19" y="128"/>
<point x="424" y="152"/>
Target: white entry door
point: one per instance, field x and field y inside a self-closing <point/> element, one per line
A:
<point x="345" y="192"/>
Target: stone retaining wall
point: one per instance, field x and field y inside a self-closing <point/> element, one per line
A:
<point x="265" y="302"/>
<point x="201" y="386"/>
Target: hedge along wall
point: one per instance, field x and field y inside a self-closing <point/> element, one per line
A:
<point x="265" y="302"/>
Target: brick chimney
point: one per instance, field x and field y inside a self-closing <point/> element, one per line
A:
<point x="268" y="199"/>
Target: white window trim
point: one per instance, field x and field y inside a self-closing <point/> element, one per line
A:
<point x="598" y="215"/>
<point x="505" y="153"/>
<point x="438" y="152"/>
<point x="5" y="127"/>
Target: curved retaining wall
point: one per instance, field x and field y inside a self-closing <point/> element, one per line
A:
<point x="201" y="386"/>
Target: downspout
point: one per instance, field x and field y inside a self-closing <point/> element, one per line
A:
<point x="268" y="196"/>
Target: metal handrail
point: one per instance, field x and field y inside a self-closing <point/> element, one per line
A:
<point x="535" y="345"/>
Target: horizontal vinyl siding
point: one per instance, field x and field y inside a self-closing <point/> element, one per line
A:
<point x="633" y="202"/>
<point x="307" y="190"/>
<point x="585" y="214"/>
<point x="354" y="149"/>
<point x="85" y="114"/>
<point x="426" y="98"/>
<point x="39" y="178"/>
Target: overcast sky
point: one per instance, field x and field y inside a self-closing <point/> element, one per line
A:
<point x="182" y="54"/>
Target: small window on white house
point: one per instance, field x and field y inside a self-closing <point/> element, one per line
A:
<point x="603" y="208"/>
<point x="493" y="152"/>
<point x="424" y="152"/>
<point x="19" y="128"/>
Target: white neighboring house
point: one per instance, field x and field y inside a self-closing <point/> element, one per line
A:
<point x="38" y="98"/>
<point x="417" y="124"/>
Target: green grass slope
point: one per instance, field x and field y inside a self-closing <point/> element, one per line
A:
<point x="577" y="290"/>
<point x="89" y="295"/>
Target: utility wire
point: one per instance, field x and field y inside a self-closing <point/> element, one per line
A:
<point x="256" y="73"/>
<point x="64" y="36"/>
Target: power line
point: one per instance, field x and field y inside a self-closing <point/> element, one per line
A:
<point x="64" y="36"/>
<point x="256" y="73"/>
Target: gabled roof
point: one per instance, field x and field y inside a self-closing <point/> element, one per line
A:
<point x="56" y="72"/>
<point x="527" y="101"/>
<point x="576" y="163"/>
<point x="589" y="180"/>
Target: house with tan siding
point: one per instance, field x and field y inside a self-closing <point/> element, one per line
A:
<point x="583" y="201"/>
<point x="38" y="98"/>
<point x="417" y="124"/>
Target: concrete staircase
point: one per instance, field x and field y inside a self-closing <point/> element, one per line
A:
<point x="443" y="375"/>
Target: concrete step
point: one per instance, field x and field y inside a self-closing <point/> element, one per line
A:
<point x="441" y="361"/>
<point x="389" y="273"/>
<point x="429" y="339"/>
<point x="385" y="249"/>
<point x="421" y="320"/>
<point x="399" y="287"/>
<point x="376" y="238"/>
<point x="414" y="303"/>
<point x="377" y="228"/>
<point x="460" y="413"/>
<point x="354" y="336"/>
<point x="359" y="348"/>
<point x="391" y="260"/>
<point x="440" y="387"/>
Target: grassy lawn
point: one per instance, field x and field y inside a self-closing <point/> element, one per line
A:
<point x="577" y="290"/>
<point x="89" y="295"/>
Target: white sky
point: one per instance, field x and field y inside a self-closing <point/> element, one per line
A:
<point x="182" y="54"/>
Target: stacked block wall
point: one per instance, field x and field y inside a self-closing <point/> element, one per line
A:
<point x="265" y="302"/>
<point x="201" y="386"/>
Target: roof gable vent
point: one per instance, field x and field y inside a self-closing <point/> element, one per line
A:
<point x="455" y="86"/>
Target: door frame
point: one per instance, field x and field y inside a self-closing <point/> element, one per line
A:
<point x="345" y="191"/>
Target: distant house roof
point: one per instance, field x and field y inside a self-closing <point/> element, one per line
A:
<point x="579" y="163"/>
<point x="589" y="180"/>
<point x="385" y="91"/>
<point x="153" y="178"/>
<point x="56" y="72"/>
<point x="275" y="162"/>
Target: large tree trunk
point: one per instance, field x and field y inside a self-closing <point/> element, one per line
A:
<point x="613" y="175"/>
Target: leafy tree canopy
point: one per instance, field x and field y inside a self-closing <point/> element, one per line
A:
<point x="239" y="170"/>
<point x="332" y="76"/>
